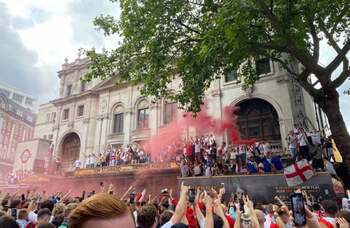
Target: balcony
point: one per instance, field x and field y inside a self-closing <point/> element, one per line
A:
<point x="141" y="134"/>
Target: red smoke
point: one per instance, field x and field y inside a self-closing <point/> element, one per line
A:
<point x="203" y="123"/>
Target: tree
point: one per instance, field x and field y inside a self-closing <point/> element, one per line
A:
<point x="200" y="40"/>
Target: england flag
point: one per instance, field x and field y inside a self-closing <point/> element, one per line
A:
<point x="298" y="173"/>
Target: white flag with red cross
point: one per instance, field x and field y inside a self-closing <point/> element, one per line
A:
<point x="298" y="173"/>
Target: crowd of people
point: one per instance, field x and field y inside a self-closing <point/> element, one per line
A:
<point x="310" y="145"/>
<point x="202" y="156"/>
<point x="116" y="156"/>
<point x="194" y="208"/>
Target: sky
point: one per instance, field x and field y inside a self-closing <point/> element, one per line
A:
<point x="36" y="36"/>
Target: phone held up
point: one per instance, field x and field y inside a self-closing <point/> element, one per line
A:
<point x="191" y="195"/>
<point x="298" y="208"/>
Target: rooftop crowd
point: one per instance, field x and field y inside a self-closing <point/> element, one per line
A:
<point x="195" y="208"/>
<point x="203" y="156"/>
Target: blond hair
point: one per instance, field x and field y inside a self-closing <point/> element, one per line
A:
<point x="58" y="209"/>
<point x="99" y="206"/>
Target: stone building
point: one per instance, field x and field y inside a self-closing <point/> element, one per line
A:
<point x="88" y="116"/>
<point x="16" y="125"/>
<point x="23" y="99"/>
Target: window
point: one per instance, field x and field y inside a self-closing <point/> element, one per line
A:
<point x="48" y="117"/>
<point x="69" y="90"/>
<point x="65" y="114"/>
<point x="263" y="66"/>
<point x="2" y="103"/>
<point x="53" y="115"/>
<point x="231" y="76"/>
<point x="17" y="97"/>
<point x="83" y="86"/>
<point x="142" y="118"/>
<point x="80" y="110"/>
<point x="170" y="112"/>
<point x="118" y="123"/>
<point x="29" y="101"/>
<point x="19" y="113"/>
<point x="30" y="118"/>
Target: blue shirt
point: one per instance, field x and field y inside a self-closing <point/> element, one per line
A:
<point x="277" y="162"/>
<point x="251" y="167"/>
<point x="267" y="166"/>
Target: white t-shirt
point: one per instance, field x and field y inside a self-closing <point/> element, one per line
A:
<point x="208" y="172"/>
<point x="292" y="140"/>
<point x="169" y="224"/>
<point x="197" y="147"/>
<point x="267" y="147"/>
<point x="77" y="164"/>
<point x="316" y="138"/>
<point x="346" y="204"/>
<point x="232" y="155"/>
<point x="197" y="170"/>
<point x="302" y="139"/>
<point x="32" y="216"/>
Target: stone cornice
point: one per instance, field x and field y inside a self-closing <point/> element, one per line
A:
<point x="74" y="97"/>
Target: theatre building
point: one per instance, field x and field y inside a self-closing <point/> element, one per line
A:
<point x="86" y="117"/>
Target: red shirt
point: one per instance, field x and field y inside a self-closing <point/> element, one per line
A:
<point x="191" y="218"/>
<point x="189" y="149"/>
<point x="230" y="221"/>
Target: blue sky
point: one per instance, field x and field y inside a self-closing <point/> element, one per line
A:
<point x="36" y="36"/>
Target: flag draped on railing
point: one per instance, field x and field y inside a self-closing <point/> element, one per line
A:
<point x="298" y="173"/>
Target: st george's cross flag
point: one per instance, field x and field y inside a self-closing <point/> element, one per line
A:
<point x="298" y="173"/>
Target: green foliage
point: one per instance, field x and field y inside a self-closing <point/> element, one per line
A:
<point x="201" y="40"/>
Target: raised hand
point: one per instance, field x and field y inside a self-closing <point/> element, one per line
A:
<point x="343" y="223"/>
<point x="184" y="189"/>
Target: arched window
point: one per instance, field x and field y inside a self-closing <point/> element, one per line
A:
<point x="258" y="119"/>
<point x="118" y="120"/>
<point x="142" y="114"/>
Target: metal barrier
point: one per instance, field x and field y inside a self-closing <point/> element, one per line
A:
<point x="122" y="168"/>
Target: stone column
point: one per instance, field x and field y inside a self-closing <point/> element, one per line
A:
<point x="153" y="118"/>
<point x="84" y="141"/>
<point x="103" y="132"/>
<point x="128" y="126"/>
<point x="284" y="132"/>
<point x="217" y="110"/>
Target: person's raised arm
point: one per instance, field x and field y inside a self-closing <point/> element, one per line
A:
<point x="250" y="206"/>
<point x="209" y="218"/>
<point x="311" y="219"/>
<point x="221" y="192"/>
<point x="143" y="195"/>
<point x="238" y="219"/>
<point x="219" y="211"/>
<point x="180" y="209"/>
<point x="200" y="216"/>
<point x="127" y="192"/>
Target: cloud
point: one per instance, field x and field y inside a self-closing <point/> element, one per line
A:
<point x="82" y="13"/>
<point x="36" y="36"/>
<point x="17" y="63"/>
<point x="37" y="16"/>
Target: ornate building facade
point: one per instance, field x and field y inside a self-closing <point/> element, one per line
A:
<point x="16" y="125"/>
<point x="89" y="116"/>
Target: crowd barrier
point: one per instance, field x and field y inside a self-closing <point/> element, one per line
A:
<point x="120" y="169"/>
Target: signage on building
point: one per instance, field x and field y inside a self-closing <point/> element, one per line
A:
<point x="25" y="156"/>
